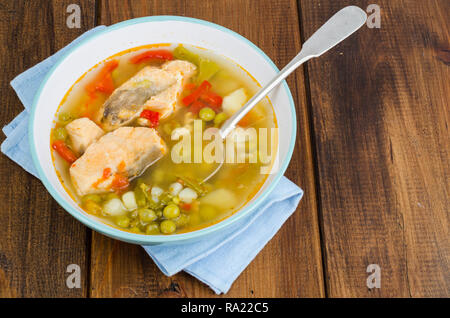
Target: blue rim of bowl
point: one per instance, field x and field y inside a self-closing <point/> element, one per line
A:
<point x="157" y="239"/>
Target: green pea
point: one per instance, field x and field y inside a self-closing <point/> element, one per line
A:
<point x="152" y="229"/>
<point x="176" y="200"/>
<point x="60" y="133"/>
<point x="207" y="212"/>
<point x="207" y="114"/>
<point x="92" y="197"/>
<point x="92" y="207"/>
<point x="147" y="215"/>
<point x="123" y="221"/>
<point x="65" y="118"/>
<point x="182" y="220"/>
<point x="135" y="230"/>
<point x="219" y="119"/>
<point x="168" y="226"/>
<point x="171" y="211"/>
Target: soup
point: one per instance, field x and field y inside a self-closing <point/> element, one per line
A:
<point x="125" y="141"/>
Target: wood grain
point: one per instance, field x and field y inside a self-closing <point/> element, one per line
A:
<point x="290" y="265"/>
<point x="39" y="239"/>
<point x="380" y="114"/>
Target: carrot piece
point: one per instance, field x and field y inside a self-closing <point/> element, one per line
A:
<point x="189" y="86"/>
<point x="152" y="55"/>
<point x="103" y="81"/>
<point x="61" y="148"/>
<point x="204" y="86"/>
<point x="152" y="116"/>
<point x="196" y="106"/>
<point x="120" y="182"/>
<point x="212" y="99"/>
<point x="185" y="206"/>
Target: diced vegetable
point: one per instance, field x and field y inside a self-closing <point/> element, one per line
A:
<point x="207" y="69"/>
<point x="152" y="116"/>
<point x="186" y="206"/>
<point x="171" y="211"/>
<point x="156" y="191"/>
<point x="204" y="86"/>
<point x="59" y="133"/>
<point x="92" y="207"/>
<point x="182" y="53"/>
<point x="119" y="182"/>
<point x="152" y="55"/>
<point x="187" y="195"/>
<point x="152" y="229"/>
<point x="123" y="221"/>
<point x="234" y="101"/>
<point x="175" y="188"/>
<point x="206" y="114"/>
<point x="220" y="198"/>
<point x="197" y="106"/>
<point x="212" y="99"/>
<point x="61" y="148"/>
<point x="168" y="226"/>
<point x="92" y="197"/>
<point x="147" y="215"/>
<point x="129" y="200"/>
<point x="219" y="119"/>
<point x="64" y="118"/>
<point x="114" y="207"/>
<point x="103" y="81"/>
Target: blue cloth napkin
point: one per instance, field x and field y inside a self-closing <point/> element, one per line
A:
<point x="218" y="260"/>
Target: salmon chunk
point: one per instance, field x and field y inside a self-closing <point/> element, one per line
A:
<point x="127" y="101"/>
<point x="166" y="102"/>
<point x="83" y="132"/>
<point x="125" y="152"/>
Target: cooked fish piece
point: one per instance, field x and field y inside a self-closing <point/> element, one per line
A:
<point x="83" y="132"/>
<point x="166" y="102"/>
<point x="127" y="101"/>
<point x="127" y="151"/>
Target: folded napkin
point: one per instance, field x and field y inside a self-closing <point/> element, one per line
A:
<point x="218" y="260"/>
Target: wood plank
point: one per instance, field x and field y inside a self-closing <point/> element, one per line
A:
<point x="380" y="108"/>
<point x="290" y="265"/>
<point x="39" y="239"/>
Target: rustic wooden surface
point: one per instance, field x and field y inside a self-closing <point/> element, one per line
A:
<point x="371" y="154"/>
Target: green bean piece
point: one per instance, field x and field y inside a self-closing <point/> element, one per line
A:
<point x="168" y="226"/>
<point x="59" y="133"/>
<point x="147" y="215"/>
<point x="123" y="221"/>
<point x="197" y="186"/>
<point x="171" y="211"/>
<point x="152" y="229"/>
<point x="206" y="114"/>
<point x="219" y="119"/>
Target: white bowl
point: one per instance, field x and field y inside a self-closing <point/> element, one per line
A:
<point x="134" y="33"/>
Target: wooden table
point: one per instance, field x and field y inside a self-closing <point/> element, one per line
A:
<point x="372" y="155"/>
